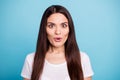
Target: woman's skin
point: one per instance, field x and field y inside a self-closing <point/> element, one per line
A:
<point x="57" y="33"/>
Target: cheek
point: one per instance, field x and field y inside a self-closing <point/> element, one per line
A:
<point x="49" y="34"/>
<point x="66" y="32"/>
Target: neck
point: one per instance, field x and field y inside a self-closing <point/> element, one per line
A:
<point x="56" y="55"/>
<point x="56" y="50"/>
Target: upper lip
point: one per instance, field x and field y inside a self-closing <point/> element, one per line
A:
<point x="57" y="38"/>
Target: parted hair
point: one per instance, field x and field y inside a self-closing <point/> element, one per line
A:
<point x="72" y="53"/>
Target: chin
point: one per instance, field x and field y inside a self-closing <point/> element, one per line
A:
<point x="57" y="46"/>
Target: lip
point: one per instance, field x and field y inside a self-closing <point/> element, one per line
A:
<point x="57" y="39"/>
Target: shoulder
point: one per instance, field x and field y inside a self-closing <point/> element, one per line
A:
<point x="86" y="65"/>
<point x="30" y="57"/>
<point x="84" y="57"/>
<point x="27" y="67"/>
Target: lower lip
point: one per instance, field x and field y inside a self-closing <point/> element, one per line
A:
<point x="57" y="39"/>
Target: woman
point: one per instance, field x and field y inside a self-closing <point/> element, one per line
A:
<point x="57" y="55"/>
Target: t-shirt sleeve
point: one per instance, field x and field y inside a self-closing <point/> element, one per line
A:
<point x="86" y="65"/>
<point x="27" y="68"/>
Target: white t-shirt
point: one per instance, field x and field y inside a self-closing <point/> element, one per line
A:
<point x="56" y="71"/>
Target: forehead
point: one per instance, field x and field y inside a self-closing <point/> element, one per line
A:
<point x="57" y="18"/>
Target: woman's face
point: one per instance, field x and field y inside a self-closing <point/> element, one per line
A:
<point x="57" y="29"/>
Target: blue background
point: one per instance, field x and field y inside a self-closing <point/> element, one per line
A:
<point x="97" y="25"/>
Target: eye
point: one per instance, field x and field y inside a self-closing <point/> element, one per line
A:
<point x="64" y="25"/>
<point x="50" y="25"/>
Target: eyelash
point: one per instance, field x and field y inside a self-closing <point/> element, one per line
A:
<point x="64" y="25"/>
<point x="50" y="25"/>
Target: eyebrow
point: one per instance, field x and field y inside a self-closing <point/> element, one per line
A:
<point x="65" y="23"/>
<point x="50" y="23"/>
<point x="54" y="23"/>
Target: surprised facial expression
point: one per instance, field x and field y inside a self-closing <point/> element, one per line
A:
<point x="57" y="29"/>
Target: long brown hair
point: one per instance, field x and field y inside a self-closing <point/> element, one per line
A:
<point x="72" y="53"/>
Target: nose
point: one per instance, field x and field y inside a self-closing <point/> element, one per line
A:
<point x="57" y="31"/>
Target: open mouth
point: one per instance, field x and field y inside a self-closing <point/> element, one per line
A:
<point x="57" y="39"/>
